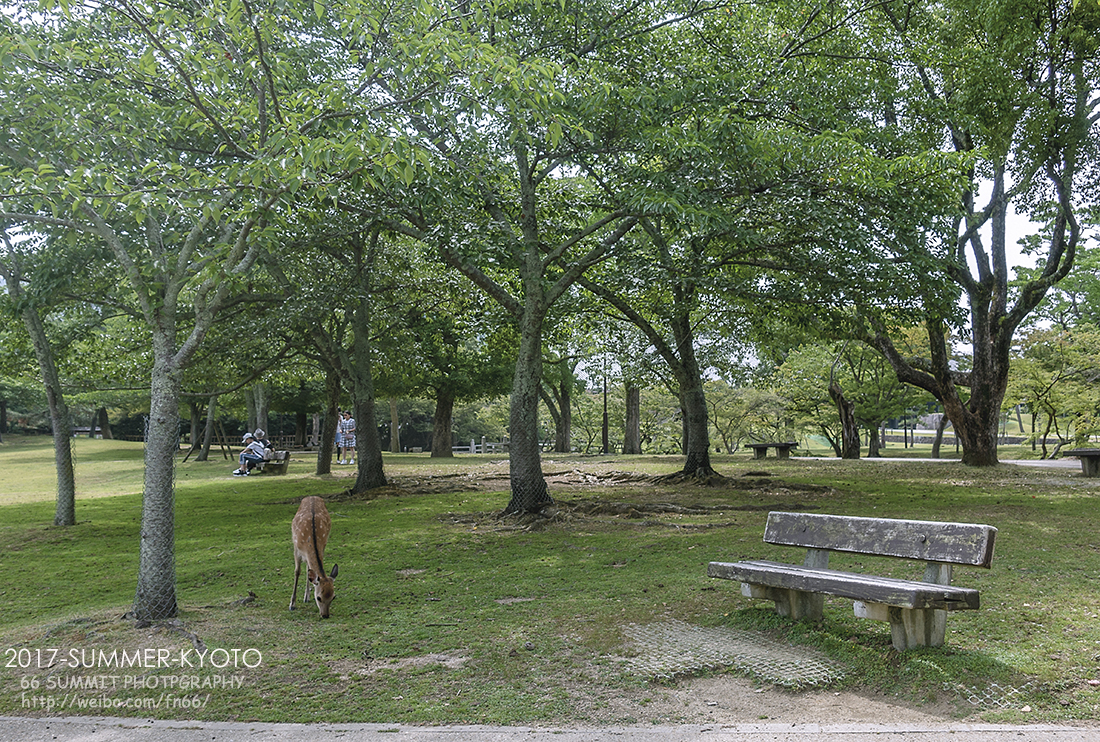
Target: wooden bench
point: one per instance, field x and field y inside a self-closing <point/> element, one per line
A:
<point x="916" y="610"/>
<point x="782" y="450"/>
<point x="277" y="464"/>
<point x="1090" y="460"/>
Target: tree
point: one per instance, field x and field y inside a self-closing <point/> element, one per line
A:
<point x="1013" y="91"/>
<point x="345" y="344"/>
<point x="29" y="307"/>
<point x="171" y="134"/>
<point x="559" y="385"/>
<point x="1056" y="376"/>
<point x="443" y="341"/>
<point x="858" y="382"/>
<point x="679" y="306"/>
<point x="746" y="413"/>
<point x="526" y="229"/>
<point x="576" y="337"/>
<point x="758" y="196"/>
<point x="874" y="390"/>
<point x="802" y="383"/>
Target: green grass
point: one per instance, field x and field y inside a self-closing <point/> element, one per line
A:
<point x="447" y="614"/>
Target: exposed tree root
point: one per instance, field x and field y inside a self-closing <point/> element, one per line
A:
<point x="706" y="477"/>
<point x="577" y="481"/>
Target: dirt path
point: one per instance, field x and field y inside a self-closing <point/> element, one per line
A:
<point x="729" y="699"/>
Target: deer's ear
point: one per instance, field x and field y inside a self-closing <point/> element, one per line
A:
<point x="335" y="570"/>
<point x="311" y="575"/>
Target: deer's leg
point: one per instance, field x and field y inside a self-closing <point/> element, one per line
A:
<point x="297" y="572"/>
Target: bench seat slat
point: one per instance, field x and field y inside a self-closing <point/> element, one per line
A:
<point x="852" y="585"/>
<point x="968" y="544"/>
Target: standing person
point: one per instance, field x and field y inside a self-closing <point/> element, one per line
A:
<point x="339" y="436"/>
<point x="347" y="433"/>
<point x="252" y="454"/>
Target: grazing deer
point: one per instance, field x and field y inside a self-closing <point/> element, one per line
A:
<point x="309" y="532"/>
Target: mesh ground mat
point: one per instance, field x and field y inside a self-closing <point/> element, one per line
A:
<point x="667" y="649"/>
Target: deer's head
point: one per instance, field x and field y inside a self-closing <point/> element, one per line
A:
<point x="323" y="588"/>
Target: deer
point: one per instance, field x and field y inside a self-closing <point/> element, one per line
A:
<point x="309" y="531"/>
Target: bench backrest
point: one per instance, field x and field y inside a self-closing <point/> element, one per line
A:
<point x="952" y="543"/>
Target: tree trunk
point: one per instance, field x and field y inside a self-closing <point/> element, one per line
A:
<point x="849" y="430"/>
<point x="331" y="421"/>
<point x="560" y="405"/>
<point x="697" y="428"/>
<point x="156" y="588"/>
<point x="632" y="434"/>
<point x="693" y="400"/>
<point x="833" y="441"/>
<point x="60" y="421"/>
<point x="976" y="430"/>
<point x="395" y="427"/>
<point x="105" y="425"/>
<point x="301" y="426"/>
<point x="873" y="443"/>
<point x="941" y="425"/>
<point x="442" y="425"/>
<point x="605" y="432"/>
<point x="262" y="420"/>
<point x="563" y="426"/>
<point x="368" y="445"/>
<point x="93" y="424"/>
<point x="529" y="491"/>
<point x="208" y="430"/>
<point x="548" y="395"/>
<point x="1046" y="434"/>
<point x="3" y="418"/>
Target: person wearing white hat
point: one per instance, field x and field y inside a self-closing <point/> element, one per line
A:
<point x="252" y="454"/>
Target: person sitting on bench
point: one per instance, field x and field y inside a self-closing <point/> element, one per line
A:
<point x="252" y="455"/>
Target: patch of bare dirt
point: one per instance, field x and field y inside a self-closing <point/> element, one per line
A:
<point x="346" y="668"/>
<point x="730" y="699"/>
<point x="586" y="479"/>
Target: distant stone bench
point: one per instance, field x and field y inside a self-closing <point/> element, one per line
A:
<point x="1090" y="460"/>
<point x="915" y="610"/>
<point x="277" y="464"/>
<point x="782" y="450"/>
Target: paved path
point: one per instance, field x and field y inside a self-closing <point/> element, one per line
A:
<point x="88" y="729"/>
<point x="1071" y="463"/>
<point x="1047" y="463"/>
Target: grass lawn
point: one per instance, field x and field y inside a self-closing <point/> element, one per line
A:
<point x="447" y="614"/>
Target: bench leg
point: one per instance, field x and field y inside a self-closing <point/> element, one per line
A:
<point x="794" y="604"/>
<point x="760" y="453"/>
<point x="909" y="627"/>
<point x="1090" y="466"/>
<point x="783" y="452"/>
<point x="912" y="628"/>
